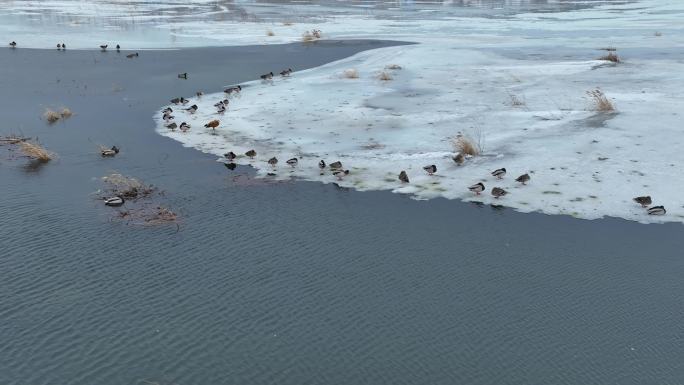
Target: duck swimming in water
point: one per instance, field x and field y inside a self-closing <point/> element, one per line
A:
<point x="132" y="55"/>
<point x="499" y="173"/>
<point x="477" y="188"/>
<point x="292" y="161"/>
<point x="230" y="155"/>
<point x="167" y="117"/>
<point x="643" y="201"/>
<point x="431" y="169"/>
<point x="251" y="154"/>
<point x="524" y="178"/>
<point x="110" y="152"/>
<point x="403" y="177"/>
<point x="657" y="210"/>
<point x="340" y="174"/>
<point x="114" y="201"/>
<point x="498" y="192"/>
<point x="184" y="75"/>
<point x="221" y="109"/>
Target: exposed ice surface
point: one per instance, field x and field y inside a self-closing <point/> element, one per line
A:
<point x="516" y="82"/>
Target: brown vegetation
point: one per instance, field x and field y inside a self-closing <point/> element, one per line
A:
<point x="385" y="76"/>
<point x="610" y="56"/>
<point x="127" y="187"/>
<point x="600" y="102"/>
<point x="351" y="73"/>
<point x="35" y="151"/>
<point x="464" y="145"/>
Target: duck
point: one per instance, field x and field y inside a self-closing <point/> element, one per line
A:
<point x="184" y="100"/>
<point x="172" y="126"/>
<point x="403" y="177"/>
<point x="176" y="100"/>
<point x="458" y="159"/>
<point x="644" y="201"/>
<point x="657" y="210"/>
<point x="477" y="188"/>
<point x="118" y="48"/>
<point x="273" y="161"/>
<point x="286" y="72"/>
<point x="524" y="178"/>
<point x="213" y="124"/>
<point x="132" y="55"/>
<point x="13" y="44"/>
<point x="110" y="152"/>
<point x="184" y="127"/>
<point x="230" y="155"/>
<point x="498" y="192"/>
<point x="336" y="165"/>
<point x="230" y="166"/>
<point x="59" y="46"/>
<point x="234" y="89"/>
<point x="339" y="174"/>
<point x="321" y="164"/>
<point x="221" y="103"/>
<point x="267" y="76"/>
<point x="499" y="173"/>
<point x="220" y="109"/>
<point x="167" y="110"/>
<point x="251" y="154"/>
<point x="292" y="161"/>
<point x="199" y="94"/>
<point x="167" y="117"/>
<point x="63" y="46"/>
<point x="431" y="169"/>
<point x="192" y="109"/>
<point x="103" y="47"/>
<point x="115" y="201"/>
<point x="184" y="75"/>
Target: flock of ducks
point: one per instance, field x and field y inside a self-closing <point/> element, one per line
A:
<point x="103" y="47"/>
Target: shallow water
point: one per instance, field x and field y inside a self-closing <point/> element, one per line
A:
<point x="293" y="283"/>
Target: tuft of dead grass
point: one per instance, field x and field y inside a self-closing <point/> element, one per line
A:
<point x="12" y="139"/>
<point x="270" y="33"/>
<point x="351" y="73"/>
<point x="66" y="113"/>
<point x="312" y="35"/>
<point x="393" y="67"/>
<point x="385" y="76"/>
<point x="516" y="101"/>
<point x="51" y="116"/>
<point x="465" y="145"/>
<point x="600" y="102"/>
<point x="127" y="187"/>
<point x="35" y="151"/>
<point x="610" y="56"/>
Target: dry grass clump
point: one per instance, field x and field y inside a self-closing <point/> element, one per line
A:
<point x="12" y="139"/>
<point x="66" y="113"/>
<point x="464" y="145"/>
<point x="35" y="151"/>
<point x="516" y="101"/>
<point x="600" y="102"/>
<point x="270" y="33"/>
<point x="393" y="67"/>
<point x="51" y="116"/>
<point x="610" y="56"/>
<point x="127" y="187"/>
<point x="312" y="35"/>
<point x="160" y="215"/>
<point x="351" y="73"/>
<point x="385" y="76"/>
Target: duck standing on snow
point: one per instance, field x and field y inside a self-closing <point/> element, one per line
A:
<point x="657" y="210"/>
<point x="221" y="108"/>
<point x="477" y="188"/>
<point x="251" y="154"/>
<point x="167" y="110"/>
<point x="103" y="47"/>
<point x="458" y="159"/>
<point x="172" y="126"/>
<point x="286" y="72"/>
<point x="524" y="178"/>
<point x="267" y="76"/>
<point x="223" y="102"/>
<point x="110" y="152"/>
<point x="431" y="169"/>
<point x="292" y="161"/>
<point x="403" y="177"/>
<point x="336" y="165"/>
<point x="114" y="201"/>
<point x="230" y="155"/>
<point x="273" y="161"/>
<point x="321" y="164"/>
<point x="498" y="192"/>
<point x="340" y="174"/>
<point x="231" y="90"/>
<point x="199" y="94"/>
<point x="13" y="44"/>
<point x="184" y="127"/>
<point x="213" y="124"/>
<point x="118" y="48"/>
<point x="643" y="201"/>
<point x="192" y="109"/>
<point x="167" y="117"/>
<point x="499" y="173"/>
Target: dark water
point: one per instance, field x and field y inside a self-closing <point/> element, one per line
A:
<point x="295" y="283"/>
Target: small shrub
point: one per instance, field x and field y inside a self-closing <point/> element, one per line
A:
<point x="464" y="145"/>
<point x="351" y="73"/>
<point x="66" y="113"/>
<point x="385" y="76"/>
<point x="51" y="116"/>
<point x="35" y="151"/>
<point x="600" y="102"/>
<point x="308" y="37"/>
